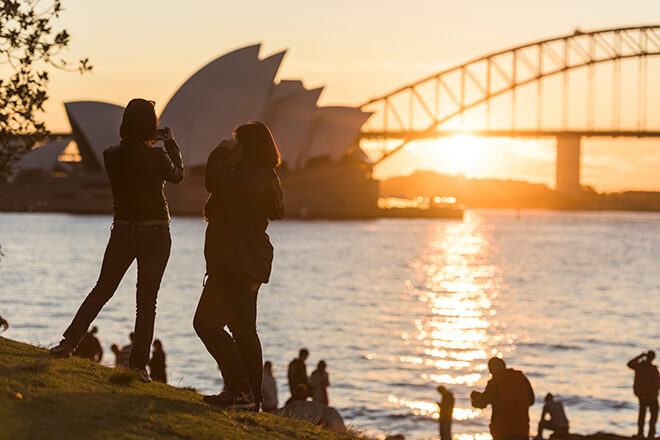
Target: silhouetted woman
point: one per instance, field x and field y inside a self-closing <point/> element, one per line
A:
<point x="140" y="229"/>
<point x="245" y="194"/>
<point x="319" y="382"/>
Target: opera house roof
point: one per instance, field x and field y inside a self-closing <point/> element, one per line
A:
<point x="230" y="90"/>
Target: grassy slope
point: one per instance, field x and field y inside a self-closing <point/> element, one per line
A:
<point x="46" y="398"/>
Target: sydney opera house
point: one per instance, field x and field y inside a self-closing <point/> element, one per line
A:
<point x="324" y="172"/>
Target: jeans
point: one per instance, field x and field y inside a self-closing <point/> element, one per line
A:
<point x="652" y="405"/>
<point x="150" y="245"/>
<point x="230" y="299"/>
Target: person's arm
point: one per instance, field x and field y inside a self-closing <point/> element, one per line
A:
<point x="544" y="412"/>
<point x="634" y="362"/>
<point x="171" y="162"/>
<point x="222" y="178"/>
<point x="482" y="400"/>
<point x="530" y="390"/>
<point x="327" y="379"/>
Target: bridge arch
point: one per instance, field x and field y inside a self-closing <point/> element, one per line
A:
<point x="420" y="109"/>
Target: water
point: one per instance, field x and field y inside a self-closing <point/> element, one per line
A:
<point x="394" y="307"/>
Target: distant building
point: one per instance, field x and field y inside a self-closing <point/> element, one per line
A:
<point x="324" y="172"/>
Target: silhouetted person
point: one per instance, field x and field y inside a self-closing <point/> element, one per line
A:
<point x="90" y="347"/>
<point x="124" y="356"/>
<point x="319" y="382"/>
<point x="117" y="351"/>
<point x="245" y="194"/>
<point x="140" y="229"/>
<point x="646" y="386"/>
<point x="157" y="367"/>
<point x="297" y="375"/>
<point x="446" y="412"/>
<point x="558" y="422"/>
<point x="3" y="323"/>
<point x="269" y="403"/>
<point x="510" y="394"/>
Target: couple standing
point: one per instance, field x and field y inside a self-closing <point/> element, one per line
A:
<point x="245" y="192"/>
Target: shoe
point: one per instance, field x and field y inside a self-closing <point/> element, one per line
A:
<point x="143" y="374"/>
<point x="64" y="349"/>
<point x="224" y="400"/>
<point x="244" y="401"/>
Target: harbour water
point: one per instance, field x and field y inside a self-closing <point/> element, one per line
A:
<point x="395" y="307"/>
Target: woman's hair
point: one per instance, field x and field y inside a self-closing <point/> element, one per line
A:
<point x="139" y="121"/>
<point x="259" y="148"/>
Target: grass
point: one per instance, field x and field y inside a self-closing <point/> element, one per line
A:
<point x="46" y="398"/>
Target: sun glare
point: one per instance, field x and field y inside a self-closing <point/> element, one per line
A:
<point x="461" y="154"/>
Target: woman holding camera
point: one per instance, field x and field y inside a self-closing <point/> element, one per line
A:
<point x="245" y="193"/>
<point x="140" y="229"/>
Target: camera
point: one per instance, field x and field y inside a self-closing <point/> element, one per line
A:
<point x="162" y="133"/>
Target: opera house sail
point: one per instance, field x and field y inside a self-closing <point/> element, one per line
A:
<point x="324" y="172"/>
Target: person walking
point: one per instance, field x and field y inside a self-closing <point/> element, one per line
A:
<point x="646" y="386"/>
<point x="319" y="382"/>
<point x="510" y="394"/>
<point x="269" y="403"/>
<point x="157" y="368"/>
<point x="245" y="194"/>
<point x="446" y="412"/>
<point x="297" y="375"/>
<point x="558" y="422"/>
<point x="140" y="229"/>
<point x="90" y="347"/>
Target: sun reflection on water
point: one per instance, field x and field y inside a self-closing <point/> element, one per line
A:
<point x="457" y="285"/>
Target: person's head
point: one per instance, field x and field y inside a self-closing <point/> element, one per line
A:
<point x="303" y="354"/>
<point x="158" y="345"/>
<point x="442" y="390"/>
<point x="268" y="367"/>
<point x="131" y="336"/>
<point x="321" y="366"/>
<point x="496" y="365"/>
<point x="258" y="145"/>
<point x="549" y="398"/>
<point x="114" y="348"/>
<point x="94" y="330"/>
<point x="650" y="355"/>
<point x="139" y="122"/>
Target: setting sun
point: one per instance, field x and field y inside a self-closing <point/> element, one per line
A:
<point x="462" y="154"/>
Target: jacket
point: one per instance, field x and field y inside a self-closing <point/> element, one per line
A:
<point x="241" y="202"/>
<point x="511" y="395"/>
<point x="137" y="174"/>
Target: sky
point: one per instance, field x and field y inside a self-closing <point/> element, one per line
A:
<point x="357" y="49"/>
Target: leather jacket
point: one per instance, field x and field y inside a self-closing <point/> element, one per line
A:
<point x="137" y="174"/>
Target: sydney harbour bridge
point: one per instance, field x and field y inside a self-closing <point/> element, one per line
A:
<point x="584" y="84"/>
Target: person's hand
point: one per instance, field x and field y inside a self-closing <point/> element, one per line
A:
<point x="169" y="134"/>
<point x="229" y="144"/>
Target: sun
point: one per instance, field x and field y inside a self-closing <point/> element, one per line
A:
<point x="460" y="154"/>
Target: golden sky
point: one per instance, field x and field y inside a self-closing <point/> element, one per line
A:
<point x="357" y="49"/>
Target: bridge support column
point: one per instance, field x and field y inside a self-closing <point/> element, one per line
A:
<point x="567" y="173"/>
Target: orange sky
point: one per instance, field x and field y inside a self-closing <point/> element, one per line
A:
<point x="357" y="49"/>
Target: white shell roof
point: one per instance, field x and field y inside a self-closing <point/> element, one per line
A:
<point x="230" y="90"/>
<point x="45" y="156"/>
<point x="336" y="129"/>
<point x="290" y="117"/>
<point x="98" y="123"/>
<point x="223" y="94"/>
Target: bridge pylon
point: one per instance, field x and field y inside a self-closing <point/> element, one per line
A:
<point x="567" y="172"/>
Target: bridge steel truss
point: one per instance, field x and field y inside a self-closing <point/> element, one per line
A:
<point x="444" y="96"/>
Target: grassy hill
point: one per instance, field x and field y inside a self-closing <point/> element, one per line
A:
<point x="46" y="398"/>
